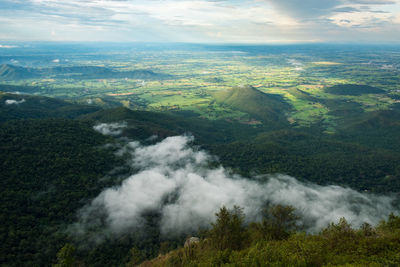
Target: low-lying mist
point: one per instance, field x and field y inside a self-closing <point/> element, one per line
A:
<point x="175" y="181"/>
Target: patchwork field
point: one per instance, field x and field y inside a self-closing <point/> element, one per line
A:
<point x="186" y="80"/>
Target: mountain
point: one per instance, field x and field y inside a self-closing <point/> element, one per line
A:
<point x="353" y="89"/>
<point x="11" y="72"/>
<point x="55" y="163"/>
<point x="18" y="106"/>
<point x="268" y="108"/>
<point x="95" y="72"/>
<point x="145" y="124"/>
<point x="377" y="129"/>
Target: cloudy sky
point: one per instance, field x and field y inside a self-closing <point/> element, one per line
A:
<point x="201" y="21"/>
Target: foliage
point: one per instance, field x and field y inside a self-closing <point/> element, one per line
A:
<point x="353" y="89"/>
<point x="279" y="222"/>
<point x="49" y="169"/>
<point x="228" y="230"/>
<point x="267" y="107"/>
<point x="337" y="245"/>
<point x="65" y="257"/>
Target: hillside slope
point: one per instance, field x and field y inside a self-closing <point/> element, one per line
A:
<point x="144" y="124"/>
<point x="270" y="109"/>
<point x="353" y="89"/>
<point x="11" y="72"/>
<point x="17" y="106"/>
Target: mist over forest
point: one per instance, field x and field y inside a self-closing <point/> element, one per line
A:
<point x="215" y="152"/>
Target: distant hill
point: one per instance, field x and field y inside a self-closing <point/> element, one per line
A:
<point x="11" y="72"/>
<point x="269" y="108"/>
<point x="95" y="72"/>
<point x="379" y="129"/>
<point x="353" y="89"/>
<point x="143" y="124"/>
<point x="19" y="88"/>
<point x="16" y="106"/>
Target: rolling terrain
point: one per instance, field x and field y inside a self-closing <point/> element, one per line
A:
<point x="270" y="109"/>
<point x="72" y="130"/>
<point x="10" y="72"/>
<point x="55" y="141"/>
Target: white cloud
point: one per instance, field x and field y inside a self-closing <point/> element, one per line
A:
<point x="396" y="18"/>
<point x="14" y="102"/>
<point x="361" y="19"/>
<point x="191" y="21"/>
<point x="175" y="180"/>
<point x="8" y="46"/>
<point x="110" y="128"/>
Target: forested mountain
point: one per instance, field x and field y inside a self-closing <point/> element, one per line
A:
<point x="53" y="163"/>
<point x="11" y="72"/>
<point x="353" y="89"/>
<point x="49" y="169"/>
<point x="15" y="106"/>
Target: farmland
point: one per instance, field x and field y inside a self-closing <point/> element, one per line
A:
<point x="186" y="78"/>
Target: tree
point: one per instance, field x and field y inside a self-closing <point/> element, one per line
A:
<point x="279" y="222"/>
<point x="228" y="232"/>
<point x="136" y="257"/>
<point x="65" y="257"/>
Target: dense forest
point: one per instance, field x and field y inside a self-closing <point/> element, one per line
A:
<point x="53" y="163"/>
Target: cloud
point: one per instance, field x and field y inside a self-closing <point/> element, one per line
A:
<point x="8" y="46"/>
<point x="305" y="8"/>
<point x="201" y="21"/>
<point x="174" y="180"/>
<point x="110" y="128"/>
<point x="14" y="102"/>
<point x="373" y="2"/>
<point x="309" y="9"/>
<point x="367" y="19"/>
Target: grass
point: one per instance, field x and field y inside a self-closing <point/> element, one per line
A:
<point x="198" y="75"/>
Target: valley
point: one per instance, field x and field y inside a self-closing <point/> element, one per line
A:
<point x="186" y="79"/>
<point x="82" y="126"/>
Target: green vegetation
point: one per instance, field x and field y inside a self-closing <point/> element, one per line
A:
<point x="310" y="81"/>
<point x="49" y="168"/>
<point x="33" y="107"/>
<point x="328" y="116"/>
<point x="10" y="72"/>
<point x="270" y="109"/>
<point x="353" y="89"/>
<point x="273" y="242"/>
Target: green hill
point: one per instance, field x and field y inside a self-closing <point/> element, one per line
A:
<point x="378" y="129"/>
<point x="144" y="124"/>
<point x="353" y="89"/>
<point x="19" y="88"/>
<point x="10" y="72"/>
<point x="16" y="106"/>
<point x="95" y="72"/>
<point x="270" y="109"/>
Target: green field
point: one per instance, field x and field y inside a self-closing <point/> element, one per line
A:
<point x="187" y="80"/>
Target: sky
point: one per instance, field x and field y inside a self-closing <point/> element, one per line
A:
<point x="201" y="21"/>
